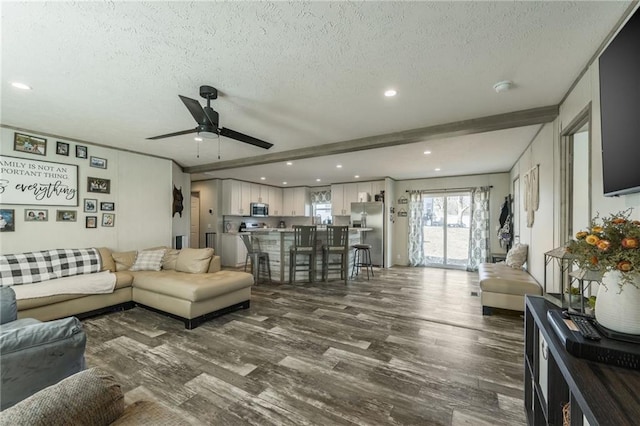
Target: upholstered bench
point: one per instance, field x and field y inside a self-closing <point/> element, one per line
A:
<point x="504" y="287"/>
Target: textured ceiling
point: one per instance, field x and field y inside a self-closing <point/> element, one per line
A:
<point x="295" y="74"/>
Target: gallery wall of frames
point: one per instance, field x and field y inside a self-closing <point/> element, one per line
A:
<point x="57" y="193"/>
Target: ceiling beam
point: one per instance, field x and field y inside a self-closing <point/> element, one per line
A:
<point x="458" y="128"/>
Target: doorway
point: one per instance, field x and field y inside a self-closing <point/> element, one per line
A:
<point x="194" y="233"/>
<point x="576" y="175"/>
<point x="447" y="220"/>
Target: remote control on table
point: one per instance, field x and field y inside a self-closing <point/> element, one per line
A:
<point x="585" y="327"/>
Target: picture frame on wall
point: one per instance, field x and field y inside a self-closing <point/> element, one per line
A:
<point x="7" y="220"/>
<point x="108" y="206"/>
<point x="108" y="219"/>
<point x="62" y="148"/>
<point x="36" y="215"/>
<point x="90" y="205"/>
<point x="99" y="185"/>
<point x="30" y="144"/>
<point x="81" y="151"/>
<point x="66" y="216"/>
<point x="91" y="222"/>
<point x="100" y="163"/>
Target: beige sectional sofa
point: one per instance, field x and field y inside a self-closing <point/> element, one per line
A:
<point x="190" y="286"/>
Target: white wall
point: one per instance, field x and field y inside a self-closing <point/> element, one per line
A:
<point x="180" y="224"/>
<point x="140" y="189"/>
<point x="539" y="237"/>
<point x="501" y="188"/>
<point x="544" y="150"/>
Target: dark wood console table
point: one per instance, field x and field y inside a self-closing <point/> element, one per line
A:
<point x="598" y="394"/>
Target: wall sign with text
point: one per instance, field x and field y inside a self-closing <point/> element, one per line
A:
<point x="26" y="181"/>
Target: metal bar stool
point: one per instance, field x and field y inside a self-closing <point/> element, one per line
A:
<point x="257" y="256"/>
<point x="337" y="244"/>
<point x="304" y="244"/>
<point x="362" y="257"/>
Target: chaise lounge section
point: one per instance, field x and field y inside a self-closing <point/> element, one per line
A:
<point x="186" y="284"/>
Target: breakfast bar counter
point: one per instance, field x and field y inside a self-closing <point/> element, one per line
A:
<point x="277" y="243"/>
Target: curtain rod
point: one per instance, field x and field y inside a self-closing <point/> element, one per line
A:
<point x="413" y="191"/>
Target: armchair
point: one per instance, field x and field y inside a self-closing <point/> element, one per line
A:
<point x="34" y="354"/>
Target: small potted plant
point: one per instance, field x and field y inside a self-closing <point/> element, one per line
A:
<point x="611" y="246"/>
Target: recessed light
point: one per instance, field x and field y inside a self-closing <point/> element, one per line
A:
<point x="19" y="85"/>
<point x="357" y="176"/>
<point x="263" y="178"/>
<point x="339" y="166"/>
<point x="390" y="93"/>
<point x="289" y="163"/>
<point x="197" y="139"/>
<point x="284" y="183"/>
<point x="427" y="152"/>
<point x="318" y="180"/>
<point x="437" y="169"/>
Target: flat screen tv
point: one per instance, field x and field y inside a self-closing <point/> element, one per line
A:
<point x="620" y="110"/>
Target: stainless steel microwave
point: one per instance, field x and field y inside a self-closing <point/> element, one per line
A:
<point x="259" y="210"/>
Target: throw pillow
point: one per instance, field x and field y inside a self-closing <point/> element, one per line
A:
<point x="517" y="256"/>
<point x="170" y="259"/>
<point x="194" y="261"/>
<point x="148" y="260"/>
<point x="107" y="259"/>
<point x="124" y="260"/>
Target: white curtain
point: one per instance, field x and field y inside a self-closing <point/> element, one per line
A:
<point x="416" y="238"/>
<point x="479" y="235"/>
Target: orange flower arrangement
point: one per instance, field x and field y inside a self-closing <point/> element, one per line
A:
<point x="610" y="244"/>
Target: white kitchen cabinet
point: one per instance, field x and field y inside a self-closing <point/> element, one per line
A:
<point x="342" y="195"/>
<point x="275" y="201"/>
<point x="233" y="252"/>
<point x="236" y="197"/>
<point x="259" y="193"/>
<point x="364" y="187"/>
<point x="295" y="202"/>
<point x="376" y="187"/>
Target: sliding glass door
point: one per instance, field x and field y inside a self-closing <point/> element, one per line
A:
<point x="446" y="229"/>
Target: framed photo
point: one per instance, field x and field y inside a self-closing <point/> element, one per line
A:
<point x="108" y="219"/>
<point x="109" y="207"/>
<point x="66" y="215"/>
<point x="7" y="220"/>
<point x="30" y="144"/>
<point x="91" y="222"/>
<point x="90" y="205"/>
<point x="98" y="162"/>
<point x="36" y="215"/>
<point x="81" y="151"/>
<point x="102" y="186"/>
<point x="62" y="148"/>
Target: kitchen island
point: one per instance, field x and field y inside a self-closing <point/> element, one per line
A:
<point x="277" y="243"/>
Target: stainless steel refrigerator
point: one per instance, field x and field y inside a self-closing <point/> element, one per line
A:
<point x="371" y="215"/>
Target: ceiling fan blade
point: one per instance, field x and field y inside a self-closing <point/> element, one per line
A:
<point x="168" y="135"/>
<point x="244" y="138"/>
<point x="195" y="109"/>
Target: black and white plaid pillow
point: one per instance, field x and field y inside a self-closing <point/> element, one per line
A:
<point x="68" y="262"/>
<point x="25" y="268"/>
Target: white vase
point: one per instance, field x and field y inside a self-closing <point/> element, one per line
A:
<point x="616" y="309"/>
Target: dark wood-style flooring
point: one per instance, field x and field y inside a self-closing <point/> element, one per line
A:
<point x="409" y="347"/>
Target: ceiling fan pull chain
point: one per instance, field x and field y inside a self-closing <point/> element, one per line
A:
<point x="218" y="148"/>
<point x="198" y="149"/>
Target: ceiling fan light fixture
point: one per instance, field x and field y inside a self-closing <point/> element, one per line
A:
<point x="208" y="135"/>
<point x="19" y="85"/>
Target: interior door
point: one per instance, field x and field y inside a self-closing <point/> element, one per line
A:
<point x="194" y="235"/>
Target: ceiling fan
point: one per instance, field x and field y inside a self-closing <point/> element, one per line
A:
<point x="207" y="120"/>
